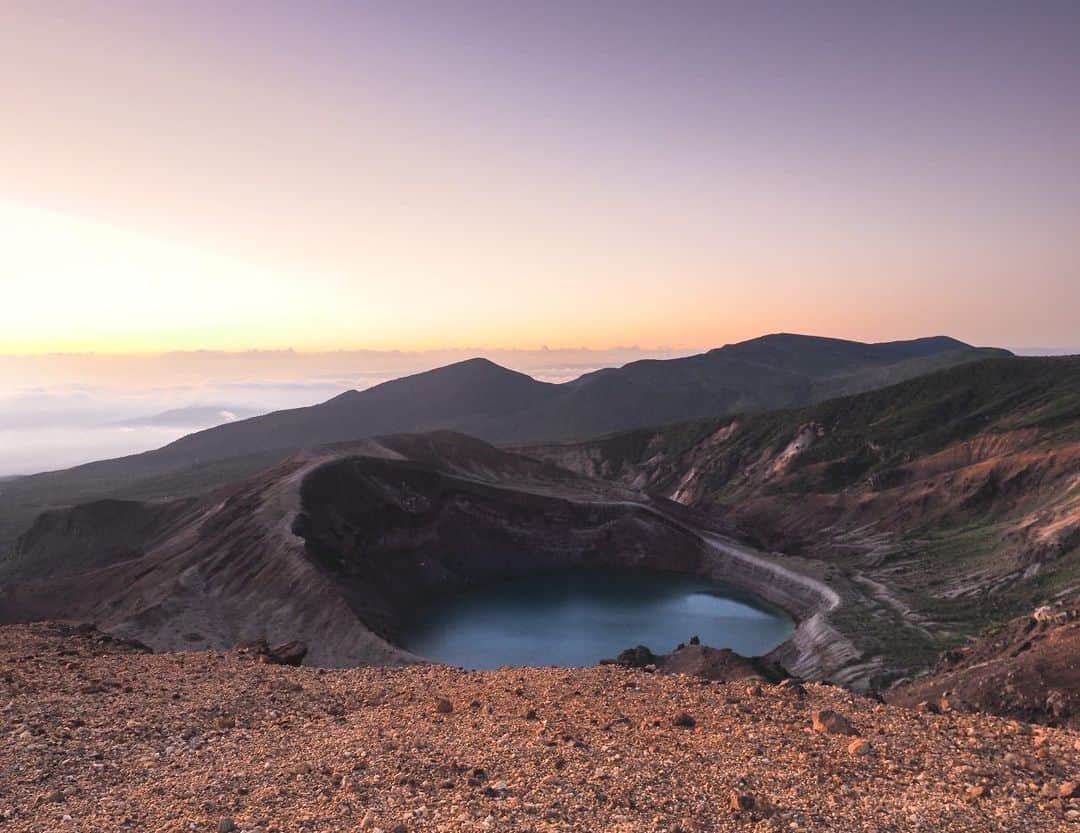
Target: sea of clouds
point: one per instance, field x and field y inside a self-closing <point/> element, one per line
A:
<point x="61" y="410"/>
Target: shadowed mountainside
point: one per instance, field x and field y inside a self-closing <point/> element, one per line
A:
<point x="480" y="398"/>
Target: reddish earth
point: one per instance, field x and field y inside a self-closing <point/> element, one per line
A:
<point x="96" y="736"/>
<point x="1030" y="491"/>
<point x="1029" y="669"/>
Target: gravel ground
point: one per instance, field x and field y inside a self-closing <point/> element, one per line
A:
<point x="95" y="736"/>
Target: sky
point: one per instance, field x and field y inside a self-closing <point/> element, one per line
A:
<point x="415" y="176"/>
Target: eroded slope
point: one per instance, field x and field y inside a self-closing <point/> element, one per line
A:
<point x="937" y="507"/>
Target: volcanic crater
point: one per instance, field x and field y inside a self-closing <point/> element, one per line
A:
<point x="337" y="547"/>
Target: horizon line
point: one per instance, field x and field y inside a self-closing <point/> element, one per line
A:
<point x="477" y="349"/>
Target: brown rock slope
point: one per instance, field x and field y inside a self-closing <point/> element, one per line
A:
<point x="95" y="737"/>
<point x="1028" y="669"/>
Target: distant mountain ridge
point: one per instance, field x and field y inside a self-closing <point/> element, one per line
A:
<point x="485" y="400"/>
<point x="482" y="399"/>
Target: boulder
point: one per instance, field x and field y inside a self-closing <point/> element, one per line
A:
<point x="747" y="803"/>
<point x="833" y="723"/>
<point x="287" y="653"/>
<point x="684" y="721"/>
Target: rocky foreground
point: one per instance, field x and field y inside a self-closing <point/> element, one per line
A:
<point x="96" y="735"/>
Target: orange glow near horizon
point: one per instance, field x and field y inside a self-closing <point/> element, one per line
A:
<point x="73" y="285"/>
<point x="256" y="176"/>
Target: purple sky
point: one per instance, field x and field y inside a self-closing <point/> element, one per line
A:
<point x="419" y="175"/>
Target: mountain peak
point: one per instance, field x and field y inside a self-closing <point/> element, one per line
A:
<point x="477" y="370"/>
<point x="469" y="371"/>
<point x="477" y="364"/>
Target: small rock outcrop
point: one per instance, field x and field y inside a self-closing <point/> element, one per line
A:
<point x="1050" y="615"/>
<point x="697" y="660"/>
<point x="637" y="657"/>
<point x="287" y="653"/>
<point x="741" y="802"/>
<point x="859" y="748"/>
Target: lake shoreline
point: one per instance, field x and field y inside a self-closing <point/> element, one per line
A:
<point x="577" y="617"/>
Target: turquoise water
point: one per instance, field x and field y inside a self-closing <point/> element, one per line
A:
<point x="578" y="618"/>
